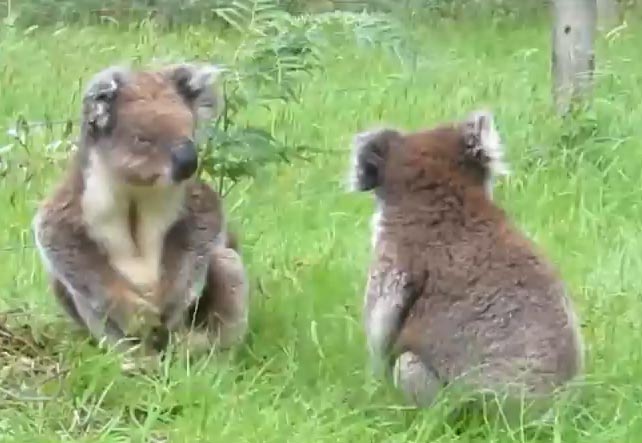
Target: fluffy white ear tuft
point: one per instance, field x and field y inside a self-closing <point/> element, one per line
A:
<point x="198" y="84"/>
<point x="100" y="94"/>
<point x="484" y="142"/>
<point x="204" y="76"/>
<point x="369" y="151"/>
<point x="193" y="79"/>
<point x="359" y="141"/>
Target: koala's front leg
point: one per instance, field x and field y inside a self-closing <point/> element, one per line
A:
<point x="91" y="291"/>
<point x="389" y="296"/>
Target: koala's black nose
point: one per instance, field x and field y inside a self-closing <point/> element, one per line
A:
<point x="184" y="161"/>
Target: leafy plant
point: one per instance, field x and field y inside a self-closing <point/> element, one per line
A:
<point x="277" y="52"/>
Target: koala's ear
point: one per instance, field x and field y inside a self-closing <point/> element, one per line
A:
<point x="197" y="85"/>
<point x="483" y="143"/>
<point x="369" y="153"/>
<point x="99" y="97"/>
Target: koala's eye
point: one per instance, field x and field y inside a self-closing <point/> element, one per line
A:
<point x="142" y="140"/>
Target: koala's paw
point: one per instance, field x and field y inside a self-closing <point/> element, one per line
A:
<point x="138" y="360"/>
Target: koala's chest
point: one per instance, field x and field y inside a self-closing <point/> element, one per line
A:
<point x="133" y="242"/>
<point x="136" y="251"/>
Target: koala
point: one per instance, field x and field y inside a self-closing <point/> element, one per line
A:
<point x="135" y="245"/>
<point x="456" y="295"/>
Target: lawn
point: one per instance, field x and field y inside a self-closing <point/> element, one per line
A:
<point x="303" y="377"/>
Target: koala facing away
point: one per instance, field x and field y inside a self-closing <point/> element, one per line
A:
<point x="456" y="295"/>
<point x="135" y="244"/>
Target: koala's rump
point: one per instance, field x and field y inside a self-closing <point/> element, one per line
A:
<point x="492" y="334"/>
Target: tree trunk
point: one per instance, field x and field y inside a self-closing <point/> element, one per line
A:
<point x="573" y="57"/>
<point x="608" y="14"/>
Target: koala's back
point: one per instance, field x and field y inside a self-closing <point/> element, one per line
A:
<point x="488" y="307"/>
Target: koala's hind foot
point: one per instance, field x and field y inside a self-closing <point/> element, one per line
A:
<point x="66" y="301"/>
<point x="140" y="359"/>
<point x="420" y="386"/>
<point x="102" y="328"/>
<point x="418" y="383"/>
<point x="219" y="318"/>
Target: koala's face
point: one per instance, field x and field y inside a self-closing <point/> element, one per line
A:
<point x="142" y="125"/>
<point x="393" y="164"/>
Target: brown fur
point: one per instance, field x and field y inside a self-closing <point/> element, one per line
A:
<point x="456" y="293"/>
<point x="126" y="240"/>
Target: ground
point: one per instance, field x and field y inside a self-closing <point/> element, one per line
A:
<point x="303" y="375"/>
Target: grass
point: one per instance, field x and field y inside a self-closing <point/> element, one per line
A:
<point x="303" y="375"/>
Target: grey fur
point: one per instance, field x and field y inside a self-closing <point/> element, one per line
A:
<point x="456" y="295"/>
<point x="199" y="271"/>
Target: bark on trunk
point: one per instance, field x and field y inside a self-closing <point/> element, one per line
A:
<point x="573" y="57"/>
